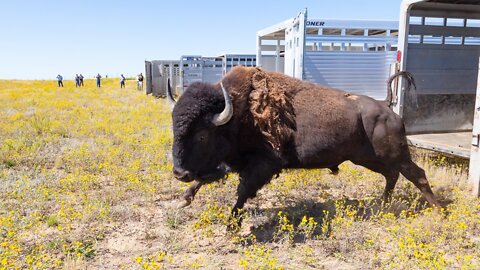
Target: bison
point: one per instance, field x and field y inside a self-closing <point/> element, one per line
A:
<point x="257" y="122"/>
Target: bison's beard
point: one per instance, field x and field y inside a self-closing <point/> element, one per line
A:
<point x="217" y="174"/>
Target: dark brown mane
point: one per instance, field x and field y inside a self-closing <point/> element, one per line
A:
<point x="268" y="104"/>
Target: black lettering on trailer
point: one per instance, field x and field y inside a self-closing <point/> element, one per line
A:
<point x="315" y="23"/>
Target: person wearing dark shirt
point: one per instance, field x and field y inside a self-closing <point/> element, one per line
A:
<point x="60" y="80"/>
<point x="122" y="81"/>
<point x="80" y="77"/>
<point x="99" y="77"/>
<point x="140" y="81"/>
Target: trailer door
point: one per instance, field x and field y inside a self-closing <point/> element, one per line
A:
<point x="441" y="49"/>
<point x="191" y="70"/>
<point x="294" y="46"/>
<point x="148" y="77"/>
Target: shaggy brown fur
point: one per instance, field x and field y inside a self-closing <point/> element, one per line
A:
<point x="258" y="98"/>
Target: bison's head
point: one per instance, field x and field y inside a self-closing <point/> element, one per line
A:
<point x="200" y="131"/>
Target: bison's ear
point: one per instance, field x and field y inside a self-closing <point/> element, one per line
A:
<point x="272" y="109"/>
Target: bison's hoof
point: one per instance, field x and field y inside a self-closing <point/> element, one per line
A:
<point x="334" y="171"/>
<point x="184" y="204"/>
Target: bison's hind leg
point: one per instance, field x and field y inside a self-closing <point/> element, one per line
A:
<point x="391" y="177"/>
<point x="389" y="172"/>
<point x="417" y="176"/>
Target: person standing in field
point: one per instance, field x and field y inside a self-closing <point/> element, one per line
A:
<point x="77" y="80"/>
<point x="80" y="77"/>
<point x="122" y="81"/>
<point x="60" y="80"/>
<point x="140" y="81"/>
<point x="98" y="80"/>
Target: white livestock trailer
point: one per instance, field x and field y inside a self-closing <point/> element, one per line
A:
<point x="157" y="73"/>
<point x="195" y="68"/>
<point x="353" y="55"/>
<point x="439" y="43"/>
<point x="189" y="69"/>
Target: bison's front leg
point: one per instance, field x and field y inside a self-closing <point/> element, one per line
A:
<point x="190" y="194"/>
<point x="253" y="177"/>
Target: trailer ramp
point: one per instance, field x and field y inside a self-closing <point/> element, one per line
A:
<point x="452" y="143"/>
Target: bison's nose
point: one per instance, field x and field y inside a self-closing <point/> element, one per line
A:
<point x="182" y="175"/>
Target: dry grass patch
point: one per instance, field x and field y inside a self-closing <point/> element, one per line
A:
<point x="86" y="183"/>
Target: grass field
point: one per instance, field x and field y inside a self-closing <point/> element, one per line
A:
<point x="86" y="183"/>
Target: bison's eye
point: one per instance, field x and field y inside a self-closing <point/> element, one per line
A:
<point x="201" y="136"/>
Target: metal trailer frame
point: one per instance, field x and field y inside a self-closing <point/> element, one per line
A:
<point x="353" y="55"/>
<point x="439" y="43"/>
<point x="232" y="60"/>
<point x="190" y="69"/>
<point x="157" y="73"/>
<point x="196" y="68"/>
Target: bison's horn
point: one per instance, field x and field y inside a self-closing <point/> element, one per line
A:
<point x="227" y="113"/>
<point x="171" y="101"/>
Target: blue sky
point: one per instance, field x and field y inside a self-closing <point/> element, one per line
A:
<point x="39" y="39"/>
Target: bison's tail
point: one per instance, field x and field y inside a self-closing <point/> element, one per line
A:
<point x="410" y="81"/>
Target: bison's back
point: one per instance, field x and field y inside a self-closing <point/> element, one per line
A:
<point x="334" y="126"/>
